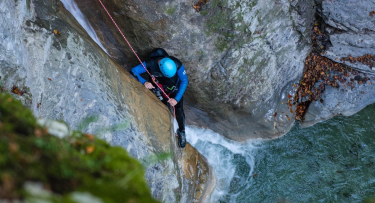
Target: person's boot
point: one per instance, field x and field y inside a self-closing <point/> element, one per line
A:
<point x="181" y="138"/>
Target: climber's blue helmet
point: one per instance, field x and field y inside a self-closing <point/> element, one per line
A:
<point x="167" y="67"/>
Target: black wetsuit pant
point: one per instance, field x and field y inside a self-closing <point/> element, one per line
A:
<point x="180" y="115"/>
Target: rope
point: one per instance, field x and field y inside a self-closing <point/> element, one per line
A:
<point x="152" y="77"/>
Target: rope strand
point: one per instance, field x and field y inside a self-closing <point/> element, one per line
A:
<point x="152" y="77"/>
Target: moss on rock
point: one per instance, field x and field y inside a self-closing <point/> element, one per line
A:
<point x="170" y="11"/>
<point x="77" y="163"/>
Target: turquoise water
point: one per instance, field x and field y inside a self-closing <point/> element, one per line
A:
<point x="333" y="161"/>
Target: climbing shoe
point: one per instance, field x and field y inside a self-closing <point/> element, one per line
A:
<point x="181" y="139"/>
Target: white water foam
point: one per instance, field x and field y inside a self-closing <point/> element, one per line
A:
<point x="220" y="153"/>
<point x="72" y="7"/>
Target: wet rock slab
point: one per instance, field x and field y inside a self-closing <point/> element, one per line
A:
<point x="199" y="177"/>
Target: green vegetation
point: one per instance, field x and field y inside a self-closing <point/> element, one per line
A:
<point x="221" y="21"/>
<point x="242" y="70"/>
<point x="170" y="11"/>
<point x="204" y="13"/>
<point x="77" y="163"/>
<point x="221" y="44"/>
<point x="28" y="4"/>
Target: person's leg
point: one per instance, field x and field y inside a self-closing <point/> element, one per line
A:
<point x="180" y="115"/>
<point x="179" y="110"/>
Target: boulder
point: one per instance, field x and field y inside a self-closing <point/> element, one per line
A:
<point x="351" y="31"/>
<point x="351" y="35"/>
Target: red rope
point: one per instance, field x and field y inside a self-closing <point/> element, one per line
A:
<point x="153" y="77"/>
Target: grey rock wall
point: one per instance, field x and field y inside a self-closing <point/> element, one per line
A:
<point x="350" y="27"/>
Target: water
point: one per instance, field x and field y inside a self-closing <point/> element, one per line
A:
<point x="230" y="160"/>
<point x="333" y="161"/>
<point x="72" y="7"/>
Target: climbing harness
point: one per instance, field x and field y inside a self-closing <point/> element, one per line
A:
<point x="152" y="77"/>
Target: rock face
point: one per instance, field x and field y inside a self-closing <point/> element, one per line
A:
<point x="352" y="34"/>
<point x="352" y="31"/>
<point x="241" y="56"/>
<point x="66" y="76"/>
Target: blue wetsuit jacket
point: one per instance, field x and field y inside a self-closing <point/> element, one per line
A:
<point x="180" y="80"/>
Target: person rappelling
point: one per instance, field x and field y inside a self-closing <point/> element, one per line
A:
<point x="170" y="75"/>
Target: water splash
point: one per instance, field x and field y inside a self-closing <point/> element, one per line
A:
<point x="332" y="161"/>
<point x="72" y="7"/>
<point x="224" y="156"/>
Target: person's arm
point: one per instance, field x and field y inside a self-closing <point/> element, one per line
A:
<point x="183" y="83"/>
<point x="137" y="71"/>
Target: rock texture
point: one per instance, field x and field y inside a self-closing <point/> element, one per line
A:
<point x="198" y="173"/>
<point x="352" y="34"/>
<point x="66" y="76"/>
<point x="241" y="56"/>
<point x="352" y="31"/>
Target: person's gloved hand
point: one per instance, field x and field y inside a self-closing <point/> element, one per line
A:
<point x="149" y="86"/>
<point x="172" y="102"/>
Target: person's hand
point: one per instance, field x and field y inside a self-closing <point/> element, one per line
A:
<point x="172" y="102"/>
<point x="149" y="86"/>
